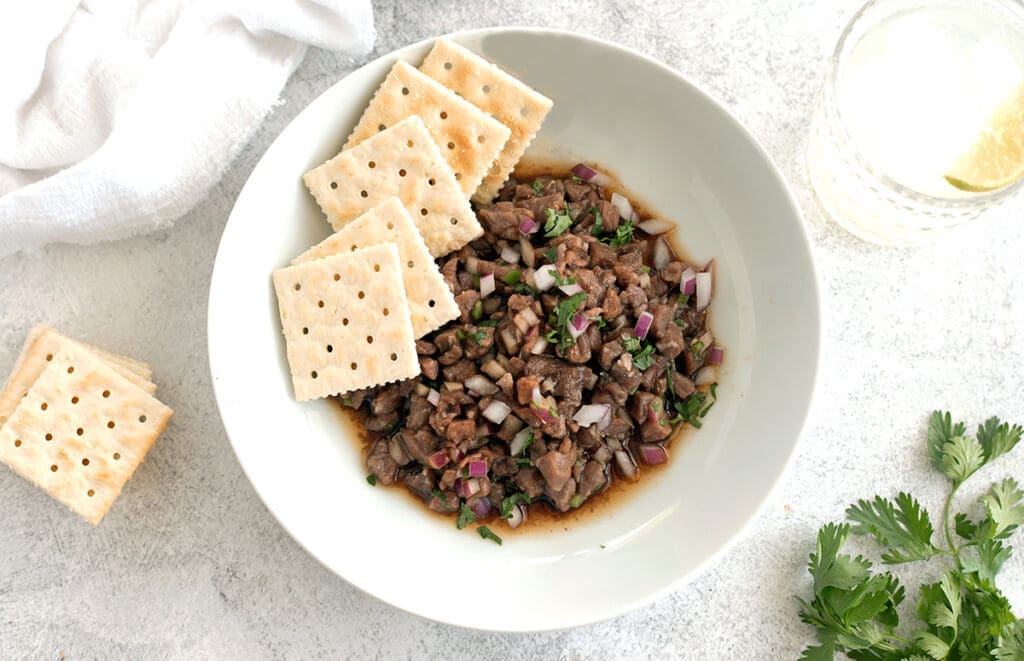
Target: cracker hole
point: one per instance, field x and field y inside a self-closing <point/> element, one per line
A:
<point x="110" y="424"/>
<point x="106" y="393"/>
<point x="353" y="366"/>
<point x="448" y="65"/>
<point x="524" y="111"/>
<point x="371" y="165"/>
<point x="142" y="418"/>
<point x="49" y="437"/>
<point x="487" y="89"/>
<point x="444" y="115"/>
<point x="354" y="247"/>
<point x="71" y="370"/>
<point x="381" y="127"/>
<point x="410" y="263"/>
<point x="431" y="181"/>
<point x="337" y="276"/>
<point x="334" y="185"/>
<point x="74" y="400"/>
<point x="451" y="145"/>
<point x="90" y="493"/>
<point x="376" y="268"/>
<point x="305" y="331"/>
<point x="53" y="468"/>
<point x="479" y="138"/>
<point x="394" y="356"/>
<point x="386" y="312"/>
<point x="117" y="456"/>
<point x="364" y="193"/>
<point x="85" y="461"/>
<point x="424" y="212"/>
<point x="369" y="339"/>
<point x="319" y="304"/>
<point x="330" y="349"/>
<point x="455" y="221"/>
<point x="43" y="406"/>
<point x="79" y="431"/>
<point x="362" y="294"/>
<point x="344" y="322"/>
<point x="431" y="303"/>
<point x="49" y="357"/>
<point x="391" y="226"/>
<point x="401" y="173"/>
<point x="410" y="144"/>
<point x="17" y="442"/>
<point x="405" y="91"/>
<point x="458" y="175"/>
<point x="313" y="374"/>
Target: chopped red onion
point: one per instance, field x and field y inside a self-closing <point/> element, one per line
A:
<point x="662" y="254"/>
<point x="643" y="324"/>
<point x="705" y="376"/>
<point x="528" y="226"/>
<point x="526" y="320"/>
<point x="486" y="285"/>
<point x="467" y="488"/>
<point x="496" y="412"/>
<point x="623" y="205"/>
<point x="459" y="455"/>
<point x="625" y="464"/>
<point x="543" y="413"/>
<point x="481" y="385"/>
<point x="517" y="518"/>
<point x="510" y="254"/>
<point x="571" y="290"/>
<point x="593" y="176"/>
<point x="656" y="226"/>
<point x="437" y="460"/>
<point x="478" y="468"/>
<point x="433" y="397"/>
<point x="653" y="454"/>
<point x="591" y="413"/>
<point x="710" y="266"/>
<point x="703" y="290"/>
<point x="535" y="395"/>
<point x="688" y="282"/>
<point x="716" y="355"/>
<point x="544" y="277"/>
<point x="481" y="508"/>
<point x="519" y="441"/>
<point x="578" y="325"/>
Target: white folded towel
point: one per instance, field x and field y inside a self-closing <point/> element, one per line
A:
<point x="117" y="116"/>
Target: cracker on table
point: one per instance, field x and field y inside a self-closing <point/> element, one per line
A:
<point x="469" y="139"/>
<point x="346" y="322"/>
<point x="81" y="431"/>
<point x="41" y="344"/>
<point x="515" y="104"/>
<point x="400" y="161"/>
<point x="431" y="303"/>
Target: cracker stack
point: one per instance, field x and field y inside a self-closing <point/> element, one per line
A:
<point x="77" y="421"/>
<point x="397" y="197"/>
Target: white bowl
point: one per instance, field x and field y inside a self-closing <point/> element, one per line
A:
<point x="684" y="156"/>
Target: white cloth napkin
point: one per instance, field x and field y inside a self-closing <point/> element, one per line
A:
<point x="117" y="116"/>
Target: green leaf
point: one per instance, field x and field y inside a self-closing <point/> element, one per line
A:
<point x="556" y="223"/>
<point x="486" y="533"/>
<point x="1005" y="506"/>
<point x="598" y="222"/>
<point x="961" y="457"/>
<point x="623" y="235"/>
<point x="904" y="527"/>
<point x="990" y="557"/>
<point x="537" y="186"/>
<point x="1011" y="642"/>
<point x="371" y="480"/>
<point x="831" y="569"/>
<point x="823" y="652"/>
<point x="965" y="528"/>
<point x="932" y="645"/>
<point x="507" y="504"/>
<point x="946" y="613"/>
<point x="997" y="439"/>
<point x="941" y="430"/>
<point x="466" y="515"/>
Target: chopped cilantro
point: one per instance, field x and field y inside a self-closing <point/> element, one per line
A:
<point x="437" y="493"/>
<point x="488" y="322"/>
<point x="465" y="516"/>
<point x="512" y="277"/>
<point x="575" y="179"/>
<point x="693" y="408"/>
<point x="522" y="461"/>
<point x="347" y="401"/>
<point x="643" y="354"/>
<point x="460" y="336"/>
<point x="563" y="313"/>
<point x="601" y="323"/>
<point x="537" y="186"/>
<point x="598" y="222"/>
<point x="697" y="348"/>
<point x="561" y="282"/>
<point x="552" y="336"/>
<point x="684" y="299"/>
<point x="646" y="269"/>
<point x="477" y="310"/>
<point x="551" y="253"/>
<point x="528" y="443"/>
<point x="477" y="336"/>
<point x="523" y="288"/>
<point x="623" y="235"/>
<point x="486" y="533"/>
<point x="575" y="501"/>
<point x="509" y="503"/>
<point x="602" y="546"/>
<point x="371" y="480"/>
<point x="556" y="223"/>
<point x="680" y="322"/>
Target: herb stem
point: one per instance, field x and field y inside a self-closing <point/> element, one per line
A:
<point x="953" y="550"/>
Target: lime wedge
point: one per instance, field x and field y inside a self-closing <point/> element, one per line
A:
<point x="997" y="159"/>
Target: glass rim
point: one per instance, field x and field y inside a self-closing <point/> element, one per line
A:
<point x="831" y="103"/>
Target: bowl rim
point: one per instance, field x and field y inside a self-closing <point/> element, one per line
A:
<point x="805" y="244"/>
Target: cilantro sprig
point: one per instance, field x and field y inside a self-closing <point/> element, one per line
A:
<point x="963" y="615"/>
<point x="560" y="318"/>
<point x="556" y="223"/>
<point x="623" y="235"/>
<point x="642" y="352"/>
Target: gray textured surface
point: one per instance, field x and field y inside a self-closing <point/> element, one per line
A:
<point x="191" y="565"/>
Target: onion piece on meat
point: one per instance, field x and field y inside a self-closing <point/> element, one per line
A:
<point x="536" y="396"/>
<point x="571" y="289"/>
<point x="493" y="369"/>
<point x="703" y="291"/>
<point x="481" y="508"/>
<point x="688" y="282"/>
<point x="433" y="397"/>
<point x="653" y="454"/>
<point x="591" y="413"/>
<point x="656" y="226"/>
<point x="705" y="376"/>
<point x="517" y="517"/>
<point x="437" y="460"/>
<point x="623" y="205"/>
<point x="539" y="346"/>
<point x="519" y="441"/>
<point x="543" y="413"/>
<point x="578" y="325"/>
<point x="486" y="285"/>
<point x="528" y="226"/>
<point x="625" y="464"/>
<point x="544" y="277"/>
<point x="496" y="412"/>
<point x="481" y="385"/>
<point x="716" y="355"/>
<point x="643" y="324"/>
<point x="591" y="175"/>
<point x="510" y="254"/>
<point x="467" y="488"/>
<point x="477" y="468"/>
<point x="662" y="254"/>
